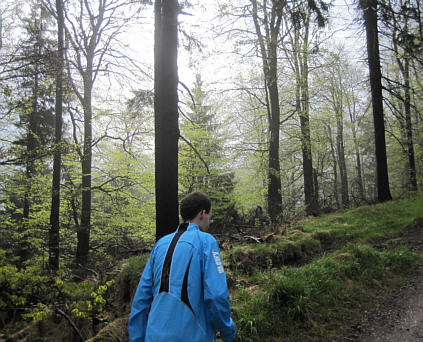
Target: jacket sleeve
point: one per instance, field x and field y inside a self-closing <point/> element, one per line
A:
<point x="216" y="295"/>
<point x="142" y="299"/>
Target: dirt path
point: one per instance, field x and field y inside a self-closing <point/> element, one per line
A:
<point x="400" y="316"/>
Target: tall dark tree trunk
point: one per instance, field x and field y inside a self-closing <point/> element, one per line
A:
<point x="315" y="188"/>
<point x="408" y="127"/>
<point x="31" y="146"/>
<point x="403" y="61"/>
<point x="358" y="170"/>
<point x="83" y="233"/>
<point x="334" y="166"/>
<point x="166" y="115"/>
<point x="369" y="8"/>
<point x="31" y="150"/>
<point x="274" y="197"/>
<point x="303" y="109"/>
<point x="54" y="237"/>
<point x="341" y="157"/>
<point x="268" y="48"/>
<point x="360" y="185"/>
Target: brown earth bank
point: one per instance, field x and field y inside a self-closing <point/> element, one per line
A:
<point x="399" y="317"/>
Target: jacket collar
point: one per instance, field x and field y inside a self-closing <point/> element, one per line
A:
<point x="192" y="226"/>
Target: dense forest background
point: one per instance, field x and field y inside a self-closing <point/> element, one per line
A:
<point x="276" y="119"/>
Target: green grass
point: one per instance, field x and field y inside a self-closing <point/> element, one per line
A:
<point x="368" y="223"/>
<point x="311" y="236"/>
<point x="289" y="250"/>
<point x="314" y="302"/>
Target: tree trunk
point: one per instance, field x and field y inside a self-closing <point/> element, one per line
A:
<point x="341" y="157"/>
<point x="83" y="233"/>
<point x="31" y="146"/>
<point x="274" y="198"/>
<point x="166" y="115"/>
<point x="370" y="21"/>
<point x="358" y="169"/>
<point x="403" y="61"/>
<point x="315" y="189"/>
<point x="301" y="64"/>
<point x="360" y="184"/>
<point x="408" y="127"/>
<point x="54" y="238"/>
<point x="335" y="169"/>
<point x="268" y="48"/>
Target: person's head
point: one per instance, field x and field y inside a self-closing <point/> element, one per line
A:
<point x="196" y="207"/>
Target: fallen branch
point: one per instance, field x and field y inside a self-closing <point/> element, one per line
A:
<point x="61" y="313"/>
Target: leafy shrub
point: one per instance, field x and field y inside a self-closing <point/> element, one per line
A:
<point x="24" y="287"/>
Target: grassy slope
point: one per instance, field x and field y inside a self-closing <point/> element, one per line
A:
<point x="314" y="302"/>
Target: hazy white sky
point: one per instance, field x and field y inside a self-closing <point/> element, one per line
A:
<point x="216" y="63"/>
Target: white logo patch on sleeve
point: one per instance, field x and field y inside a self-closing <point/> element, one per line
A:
<point x="218" y="262"/>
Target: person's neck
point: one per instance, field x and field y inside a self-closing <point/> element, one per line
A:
<point x="193" y="221"/>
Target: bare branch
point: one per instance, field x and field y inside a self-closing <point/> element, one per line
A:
<point x="196" y="152"/>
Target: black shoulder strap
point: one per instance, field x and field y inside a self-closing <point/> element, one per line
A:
<point x="184" y="291"/>
<point x="164" y="282"/>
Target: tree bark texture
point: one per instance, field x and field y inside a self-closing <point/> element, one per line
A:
<point x="341" y="157"/>
<point x="403" y="61"/>
<point x="31" y="144"/>
<point x="359" y="179"/>
<point x="408" y="127"/>
<point x="54" y="237"/>
<point x="337" y="99"/>
<point x="268" y="48"/>
<point x="166" y="116"/>
<point x="335" y="168"/>
<point x="83" y="233"/>
<point x="370" y="21"/>
<point x="274" y="199"/>
<point x="31" y="150"/>
<point x="303" y="109"/>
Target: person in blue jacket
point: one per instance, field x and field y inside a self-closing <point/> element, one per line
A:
<point x="182" y="295"/>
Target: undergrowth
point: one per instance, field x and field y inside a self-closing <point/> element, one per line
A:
<point x="312" y="302"/>
<point x="315" y="236"/>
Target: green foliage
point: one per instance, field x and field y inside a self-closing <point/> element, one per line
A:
<point x="202" y="164"/>
<point x="87" y="309"/>
<point x="23" y="288"/>
<point x="40" y="312"/>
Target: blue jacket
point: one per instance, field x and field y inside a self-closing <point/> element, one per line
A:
<point x="195" y="278"/>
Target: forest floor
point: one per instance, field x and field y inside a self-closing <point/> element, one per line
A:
<point x="399" y="317"/>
